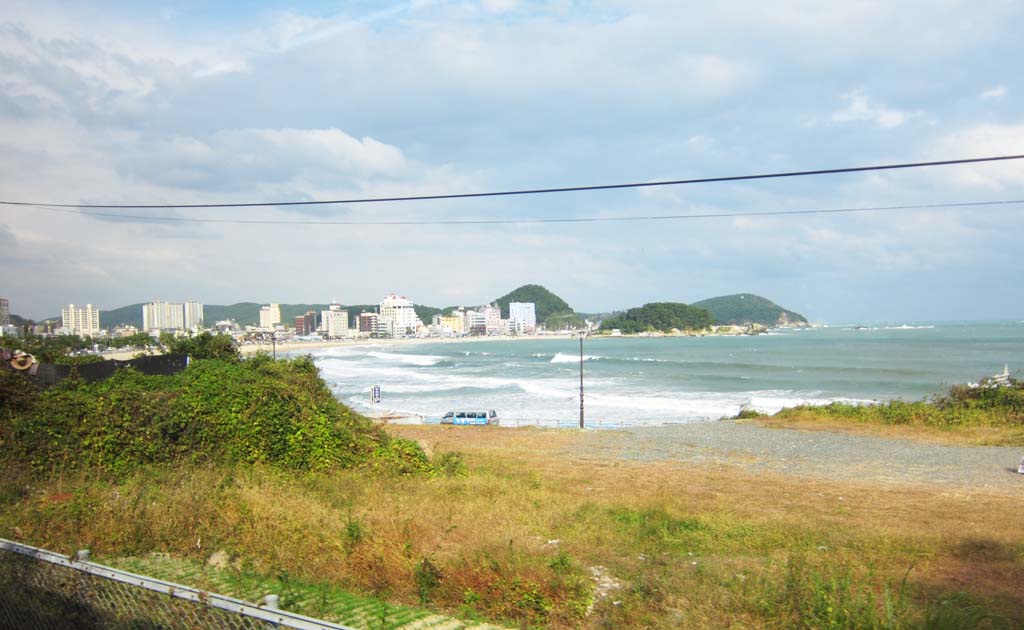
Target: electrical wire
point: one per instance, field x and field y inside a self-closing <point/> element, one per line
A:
<point x="536" y="191"/>
<point x="661" y="217"/>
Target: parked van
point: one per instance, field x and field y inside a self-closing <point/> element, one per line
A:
<point x="471" y="417"/>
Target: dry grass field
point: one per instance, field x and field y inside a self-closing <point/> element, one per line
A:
<point x="522" y="534"/>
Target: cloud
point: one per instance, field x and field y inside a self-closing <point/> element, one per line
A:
<point x="859" y="108"/>
<point x="998" y="91"/>
<point x="983" y="141"/>
<point x="499" y="6"/>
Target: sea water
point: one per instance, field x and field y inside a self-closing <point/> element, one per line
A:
<point x="656" y="380"/>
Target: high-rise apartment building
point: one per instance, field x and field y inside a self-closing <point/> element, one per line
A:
<point x="162" y="316"/>
<point x="270" y="315"/>
<point x="81" y="320"/>
<point x="522" y="317"/>
<point x="171" y="316"/>
<point x="398" y="316"/>
<point x="193" y="315"/>
<point x="5" y="312"/>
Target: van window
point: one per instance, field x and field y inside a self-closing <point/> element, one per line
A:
<point x="494" y="414"/>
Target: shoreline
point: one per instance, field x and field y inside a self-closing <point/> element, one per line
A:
<point x="292" y="346"/>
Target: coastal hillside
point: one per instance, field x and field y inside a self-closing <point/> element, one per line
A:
<point x="547" y="303"/>
<point x="747" y="308"/>
<point x="659" y="317"/>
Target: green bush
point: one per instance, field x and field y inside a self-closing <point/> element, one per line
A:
<point x="962" y="406"/>
<point x="217" y="410"/>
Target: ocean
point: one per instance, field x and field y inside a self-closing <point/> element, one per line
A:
<point x="659" y="380"/>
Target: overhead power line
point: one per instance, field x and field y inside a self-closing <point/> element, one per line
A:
<point x="658" y="217"/>
<point x="535" y="191"/>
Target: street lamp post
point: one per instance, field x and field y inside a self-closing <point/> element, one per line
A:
<point x="582" y="335"/>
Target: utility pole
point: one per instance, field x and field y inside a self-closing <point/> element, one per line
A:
<point x="273" y="342"/>
<point x="581" y="379"/>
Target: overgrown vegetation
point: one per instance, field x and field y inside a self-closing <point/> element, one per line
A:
<point x="659" y="317"/>
<point x="993" y="413"/>
<point x="255" y="461"/>
<point x="531" y="540"/>
<point x="219" y="410"/>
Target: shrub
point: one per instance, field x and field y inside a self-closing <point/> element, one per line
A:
<point x="217" y="410"/>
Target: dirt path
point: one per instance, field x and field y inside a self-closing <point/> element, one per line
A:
<point x="807" y="453"/>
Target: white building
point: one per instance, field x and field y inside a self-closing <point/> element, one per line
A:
<point x="522" y="317"/>
<point x="398" y="316"/>
<point x="270" y="315"/>
<point x="193" y="315"/>
<point x="474" y="322"/>
<point x="334" y="322"/>
<point x="79" y="320"/>
<point x="492" y="319"/>
<point x="163" y="316"/>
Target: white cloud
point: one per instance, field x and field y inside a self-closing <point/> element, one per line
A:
<point x="998" y="91"/>
<point x="859" y="108"/>
<point x="499" y="6"/>
<point x="986" y="140"/>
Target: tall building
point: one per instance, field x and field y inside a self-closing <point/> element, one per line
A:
<point x="193" y="314"/>
<point x="5" y="312"/>
<point x="369" y="323"/>
<point x="172" y="315"/>
<point x="81" y="320"/>
<point x="522" y="317"/>
<point x="270" y="315"/>
<point x="334" y="321"/>
<point x="398" y="316"/>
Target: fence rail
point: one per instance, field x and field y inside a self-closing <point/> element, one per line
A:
<point x="43" y="589"/>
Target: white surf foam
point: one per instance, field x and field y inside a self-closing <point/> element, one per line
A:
<point x="562" y="357"/>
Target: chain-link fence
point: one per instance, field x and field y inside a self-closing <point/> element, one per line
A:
<point x="42" y="589"/>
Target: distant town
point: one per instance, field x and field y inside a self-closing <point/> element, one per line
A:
<point x="394" y="318"/>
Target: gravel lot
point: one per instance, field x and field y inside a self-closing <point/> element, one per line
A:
<point x="810" y="453"/>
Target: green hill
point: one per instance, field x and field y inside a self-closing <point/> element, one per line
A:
<point x="747" y="308"/>
<point x="547" y="303"/>
<point x="130" y="315"/>
<point x="659" y="316"/>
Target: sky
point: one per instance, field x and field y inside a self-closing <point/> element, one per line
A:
<point x="196" y="102"/>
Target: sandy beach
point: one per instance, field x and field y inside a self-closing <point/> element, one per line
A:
<point x="302" y="346"/>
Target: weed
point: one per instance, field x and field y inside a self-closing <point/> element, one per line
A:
<point x="427" y="577"/>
